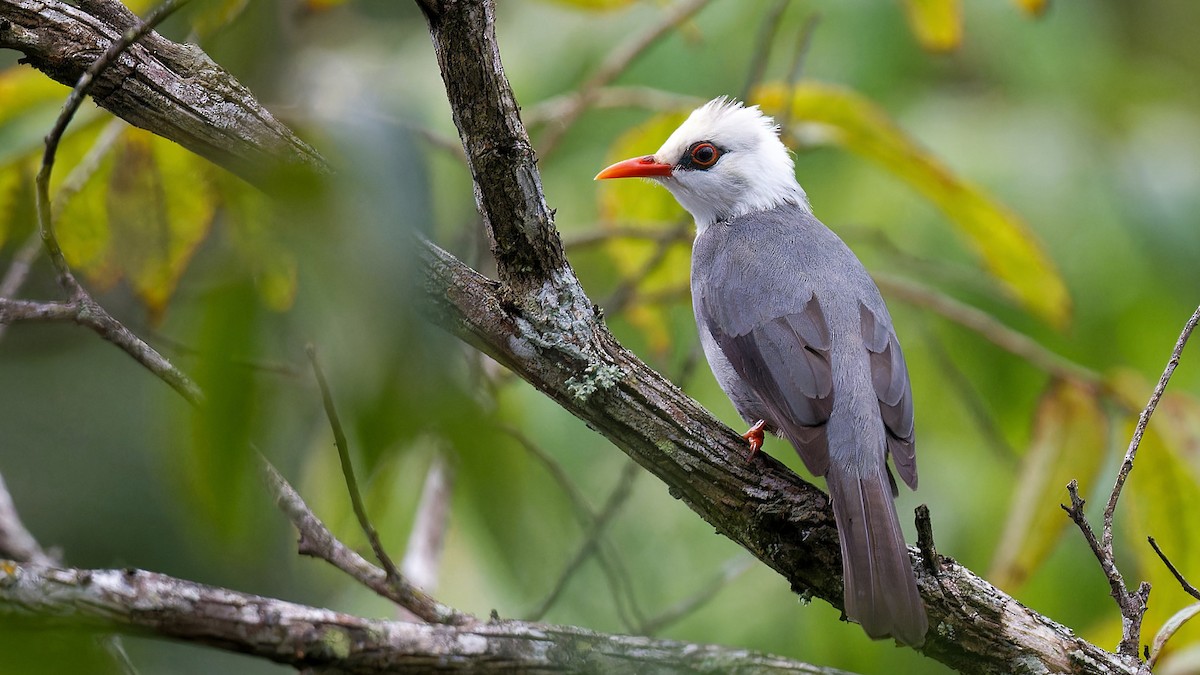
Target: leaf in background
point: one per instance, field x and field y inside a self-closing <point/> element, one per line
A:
<point x="160" y="207"/>
<point x="10" y="182"/>
<point x="1033" y="7"/>
<point x="1162" y="499"/>
<point x="210" y="17"/>
<point x="938" y="24"/>
<point x="253" y="226"/>
<point x="641" y="203"/>
<point x="1068" y="441"/>
<point x="1009" y="249"/>
<point x="217" y="467"/>
<point x="140" y="216"/>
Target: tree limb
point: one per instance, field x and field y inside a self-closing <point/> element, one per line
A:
<point x="327" y="641"/>
<point x="173" y="90"/>
<point x="761" y="505"/>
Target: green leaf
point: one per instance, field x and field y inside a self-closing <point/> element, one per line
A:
<point x="217" y="465"/>
<point x="938" y="24"/>
<point x="1068" y="441"/>
<point x="1010" y="251"/>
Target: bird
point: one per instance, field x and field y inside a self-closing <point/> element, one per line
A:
<point x="799" y="338"/>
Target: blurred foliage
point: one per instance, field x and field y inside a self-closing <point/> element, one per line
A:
<point x="1038" y="162"/>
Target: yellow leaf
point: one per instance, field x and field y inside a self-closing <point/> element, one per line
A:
<point x="1068" y="442"/>
<point x="139" y="216"/>
<point x="160" y="207"/>
<point x="23" y="89"/>
<point x="1009" y="249"/>
<point x="640" y="201"/>
<point x="938" y="24"/>
<point x="1033" y="7"/>
<point x="10" y="182"/>
<point x="646" y="204"/>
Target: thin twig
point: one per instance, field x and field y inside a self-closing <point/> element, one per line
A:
<point x="1187" y="587"/>
<point x="765" y="42"/>
<point x="610" y="560"/>
<point x="617" y="62"/>
<point x="317" y="541"/>
<point x="86" y="311"/>
<point x="997" y="333"/>
<point x="1143" y="421"/>
<point x="602" y="235"/>
<point x="731" y="570"/>
<point x="620" y="298"/>
<point x="343" y="448"/>
<point x="803" y="44"/>
<point x="644" y="98"/>
<point x="615" y="500"/>
<point x="86" y="82"/>
<point x="965" y="392"/>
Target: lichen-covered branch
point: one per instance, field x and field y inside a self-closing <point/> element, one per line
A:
<point x="173" y="90"/>
<point x="136" y="602"/>
<point x="761" y="505"/>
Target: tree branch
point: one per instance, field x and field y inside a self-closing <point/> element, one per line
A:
<point x="173" y="90"/>
<point x="761" y="505"/>
<point x="327" y="641"/>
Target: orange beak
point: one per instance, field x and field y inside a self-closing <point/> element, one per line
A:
<point x="638" y="167"/>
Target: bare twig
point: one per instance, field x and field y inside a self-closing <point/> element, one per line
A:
<point x="317" y="541"/>
<point x="765" y="42"/>
<point x="731" y="570"/>
<point x="1187" y="587"/>
<point x="615" y="571"/>
<point x="624" y="293"/>
<point x="803" y="44"/>
<point x="603" y="234"/>
<point x="1131" y="604"/>
<point x="1140" y="429"/>
<point x="646" y="98"/>
<point x="343" y="449"/>
<point x="82" y="308"/>
<point x="997" y="333"/>
<point x="617" y="62"/>
<point x="990" y="431"/>
<point x="615" y="501"/>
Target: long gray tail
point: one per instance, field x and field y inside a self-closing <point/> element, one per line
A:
<point x="881" y="593"/>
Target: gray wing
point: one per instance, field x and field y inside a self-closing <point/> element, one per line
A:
<point x="785" y="361"/>
<point x="889" y="375"/>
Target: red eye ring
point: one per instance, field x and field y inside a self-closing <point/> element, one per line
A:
<point x="704" y="155"/>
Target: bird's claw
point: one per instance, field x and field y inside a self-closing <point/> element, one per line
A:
<point x="755" y="437"/>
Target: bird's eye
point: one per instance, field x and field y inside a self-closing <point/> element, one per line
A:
<point x="704" y="155"/>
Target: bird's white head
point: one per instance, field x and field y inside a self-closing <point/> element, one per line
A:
<point x="725" y="160"/>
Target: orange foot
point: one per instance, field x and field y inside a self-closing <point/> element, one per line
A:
<point x="755" y="436"/>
